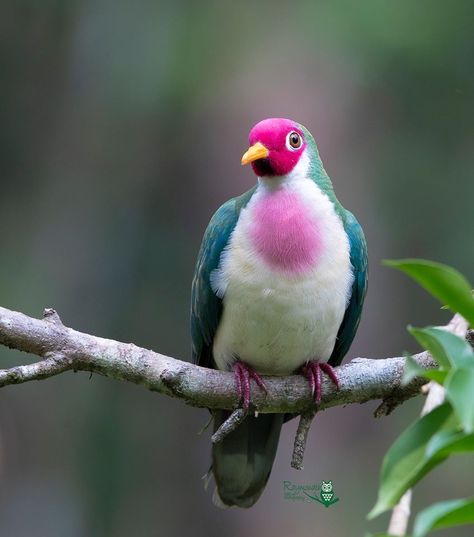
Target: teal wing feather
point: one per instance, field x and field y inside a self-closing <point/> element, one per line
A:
<point x="206" y="306"/>
<point x="350" y="322"/>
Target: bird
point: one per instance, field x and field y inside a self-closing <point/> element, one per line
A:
<point x="278" y="289"/>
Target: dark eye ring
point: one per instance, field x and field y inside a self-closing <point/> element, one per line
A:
<point x="294" y="140"/>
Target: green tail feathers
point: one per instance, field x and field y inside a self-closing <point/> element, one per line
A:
<point x="243" y="460"/>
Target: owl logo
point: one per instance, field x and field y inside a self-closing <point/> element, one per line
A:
<point x="326" y="495"/>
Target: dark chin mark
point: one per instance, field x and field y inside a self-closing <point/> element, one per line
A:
<point x="262" y="167"/>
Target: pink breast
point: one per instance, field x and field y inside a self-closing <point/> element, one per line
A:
<point x="284" y="232"/>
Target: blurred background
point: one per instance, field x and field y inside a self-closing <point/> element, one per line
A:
<point x="122" y="125"/>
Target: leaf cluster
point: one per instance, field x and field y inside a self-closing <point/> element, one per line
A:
<point x="449" y="428"/>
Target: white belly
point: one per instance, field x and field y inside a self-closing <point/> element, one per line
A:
<point x="276" y="321"/>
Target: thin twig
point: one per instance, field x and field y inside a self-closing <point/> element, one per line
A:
<point x="229" y="425"/>
<point x="206" y="426"/>
<point x="400" y="515"/>
<point x="49" y="367"/>
<point x="51" y="315"/>
<point x="301" y="437"/>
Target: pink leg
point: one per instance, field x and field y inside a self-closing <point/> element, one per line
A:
<point x="329" y="370"/>
<point x="312" y="371"/>
<point x="242" y="374"/>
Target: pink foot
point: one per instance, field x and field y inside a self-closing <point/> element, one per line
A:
<point x="242" y="374"/>
<point x="312" y="371"/>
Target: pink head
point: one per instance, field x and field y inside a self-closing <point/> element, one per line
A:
<point x="276" y="146"/>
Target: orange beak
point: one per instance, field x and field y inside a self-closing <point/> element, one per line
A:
<point x="254" y="152"/>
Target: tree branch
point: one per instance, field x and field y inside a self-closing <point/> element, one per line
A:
<point x="64" y="349"/>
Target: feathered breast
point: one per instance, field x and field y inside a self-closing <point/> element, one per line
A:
<point x="285" y="233"/>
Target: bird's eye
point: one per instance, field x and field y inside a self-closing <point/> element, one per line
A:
<point x="293" y="140"/>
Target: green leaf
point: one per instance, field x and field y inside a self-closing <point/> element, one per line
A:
<point x="405" y="462"/>
<point x="449" y="442"/>
<point x="445" y="283"/>
<point x="460" y="392"/>
<point x="444" y="515"/>
<point x="446" y="348"/>
<point x="413" y="370"/>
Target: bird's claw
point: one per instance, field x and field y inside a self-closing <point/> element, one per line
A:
<point x="312" y="371"/>
<point x="243" y="374"/>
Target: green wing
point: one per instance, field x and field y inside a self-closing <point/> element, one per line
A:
<point x="206" y="306"/>
<point x="350" y="322"/>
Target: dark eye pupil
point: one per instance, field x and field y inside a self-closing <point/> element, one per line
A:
<point x="295" y="140"/>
